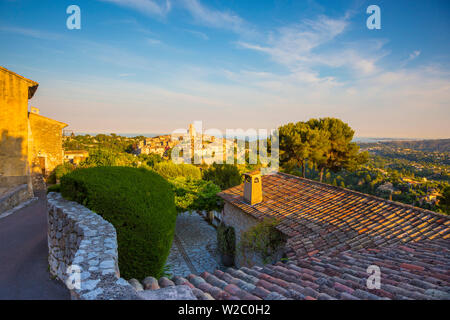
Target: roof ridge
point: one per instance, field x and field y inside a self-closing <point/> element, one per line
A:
<point x="34" y="83"/>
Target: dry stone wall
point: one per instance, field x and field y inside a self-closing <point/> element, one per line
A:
<point x="14" y="197"/>
<point x="83" y="246"/>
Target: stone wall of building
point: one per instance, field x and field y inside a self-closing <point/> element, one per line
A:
<point x="46" y="150"/>
<point x="241" y="222"/>
<point x="14" y="94"/>
<point x="82" y="240"/>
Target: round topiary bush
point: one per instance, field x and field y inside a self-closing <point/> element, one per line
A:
<point x="140" y="205"/>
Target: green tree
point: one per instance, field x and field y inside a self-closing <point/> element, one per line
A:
<point x="299" y="142"/>
<point x="341" y="152"/>
<point x="170" y="170"/>
<point x="444" y="200"/>
<point x="223" y="175"/>
<point x="294" y="148"/>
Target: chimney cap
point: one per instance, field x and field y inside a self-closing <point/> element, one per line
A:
<point x="35" y="110"/>
<point x="253" y="173"/>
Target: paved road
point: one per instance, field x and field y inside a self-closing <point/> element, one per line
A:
<point x="23" y="256"/>
<point x="194" y="248"/>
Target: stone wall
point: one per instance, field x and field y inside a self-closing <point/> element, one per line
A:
<point x="241" y="222"/>
<point x="14" y="94"/>
<point x="81" y="239"/>
<point x="14" y="196"/>
<point x="45" y="144"/>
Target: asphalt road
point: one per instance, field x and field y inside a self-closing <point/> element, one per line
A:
<point x="24" y="271"/>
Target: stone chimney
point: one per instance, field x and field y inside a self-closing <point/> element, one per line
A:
<point x="34" y="110"/>
<point x="253" y="188"/>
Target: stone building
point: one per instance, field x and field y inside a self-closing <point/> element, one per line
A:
<point x="317" y="218"/>
<point x="45" y="135"/>
<point x="15" y="91"/>
<point x="29" y="142"/>
<point x="75" y="156"/>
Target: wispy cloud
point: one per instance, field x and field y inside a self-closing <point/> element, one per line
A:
<point x="198" y="34"/>
<point x="33" y="33"/>
<point x="215" y="18"/>
<point x="153" y="42"/>
<point x="412" y="56"/>
<point x="147" y="7"/>
<point x="304" y="48"/>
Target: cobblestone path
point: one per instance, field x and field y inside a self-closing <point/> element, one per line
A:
<point x="194" y="248"/>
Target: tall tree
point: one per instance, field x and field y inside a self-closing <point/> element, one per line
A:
<point x="294" y="147"/>
<point x="341" y="152"/>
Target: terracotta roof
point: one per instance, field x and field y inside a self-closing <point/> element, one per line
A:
<point x="319" y="218"/>
<point x="419" y="270"/>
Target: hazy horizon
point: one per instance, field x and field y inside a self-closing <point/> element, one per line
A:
<point x="150" y="135"/>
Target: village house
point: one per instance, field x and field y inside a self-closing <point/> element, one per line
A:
<point x="317" y="217"/>
<point x="30" y="143"/>
<point x="45" y="137"/>
<point x="75" y="156"/>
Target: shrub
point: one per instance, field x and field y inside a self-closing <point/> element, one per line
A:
<point x="60" y="171"/>
<point x="226" y="240"/>
<point x="108" y="157"/>
<point x="170" y="170"/>
<point x="223" y="175"/>
<point x="150" y="159"/>
<point x="195" y="195"/>
<point x="140" y="205"/>
<point x="263" y="239"/>
<point x="54" y="188"/>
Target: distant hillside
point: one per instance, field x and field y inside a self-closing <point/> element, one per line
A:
<point x="438" y="145"/>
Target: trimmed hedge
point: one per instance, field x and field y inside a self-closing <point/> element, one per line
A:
<point x="140" y="205"/>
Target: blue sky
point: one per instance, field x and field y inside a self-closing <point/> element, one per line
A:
<point x="157" y="65"/>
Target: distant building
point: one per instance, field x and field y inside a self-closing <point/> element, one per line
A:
<point x="75" y="156"/>
<point x="432" y="198"/>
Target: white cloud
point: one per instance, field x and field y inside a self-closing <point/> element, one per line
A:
<point x="147" y="7"/>
<point x="198" y="34"/>
<point x="215" y="18"/>
<point x="153" y="42"/>
<point x="306" y="47"/>
<point x="412" y="56"/>
<point x="38" y="34"/>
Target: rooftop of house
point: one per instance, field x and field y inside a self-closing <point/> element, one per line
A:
<point x="39" y="116"/>
<point x="32" y="85"/>
<point x="76" y="152"/>
<point x="419" y="271"/>
<point x="319" y="218"/>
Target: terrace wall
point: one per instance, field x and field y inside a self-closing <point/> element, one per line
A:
<point x="82" y="245"/>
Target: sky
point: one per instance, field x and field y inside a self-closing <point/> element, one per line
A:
<point x="153" y="66"/>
